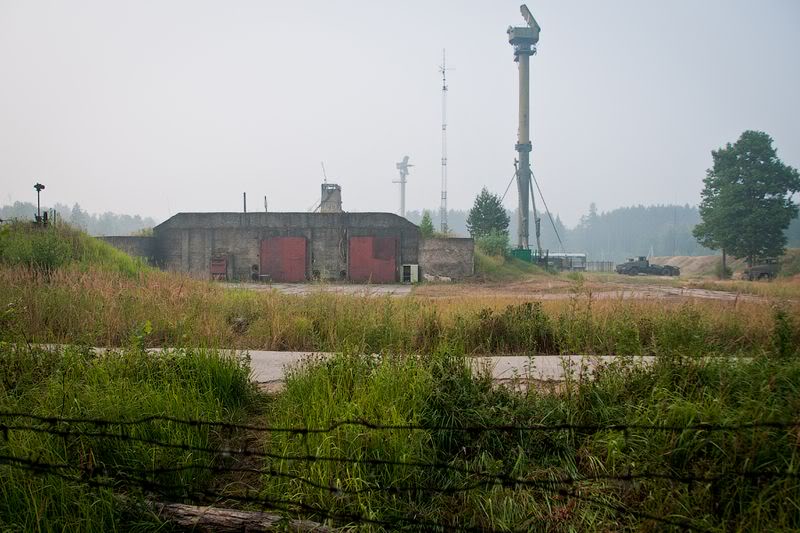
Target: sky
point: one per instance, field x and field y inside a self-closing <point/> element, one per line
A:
<point x="155" y="107"/>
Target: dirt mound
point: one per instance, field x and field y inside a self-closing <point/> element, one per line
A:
<point x="697" y="265"/>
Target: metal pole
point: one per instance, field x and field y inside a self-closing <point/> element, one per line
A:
<point x="402" y="195"/>
<point x="244" y="201"/>
<point x="39" y="188"/>
<point x="524" y="145"/>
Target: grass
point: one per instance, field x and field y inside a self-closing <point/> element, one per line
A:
<point x="439" y="391"/>
<point x="784" y="288"/>
<point x="117" y="386"/>
<point x="500" y="268"/>
<point x="104" y="308"/>
<point x="47" y="248"/>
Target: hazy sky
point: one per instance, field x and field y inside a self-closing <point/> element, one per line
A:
<point x="156" y="107"/>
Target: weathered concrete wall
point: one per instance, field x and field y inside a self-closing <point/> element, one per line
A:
<point x="144" y="247"/>
<point x="441" y="258"/>
<point x="187" y="241"/>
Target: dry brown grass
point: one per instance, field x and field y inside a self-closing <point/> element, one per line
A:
<point x="781" y="288"/>
<point x="98" y="307"/>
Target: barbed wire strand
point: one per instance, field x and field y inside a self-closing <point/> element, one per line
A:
<point x="555" y="485"/>
<point x="204" y="495"/>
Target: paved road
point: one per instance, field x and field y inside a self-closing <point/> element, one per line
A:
<point x="268" y="367"/>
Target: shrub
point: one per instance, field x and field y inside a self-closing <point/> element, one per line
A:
<point x="495" y="243"/>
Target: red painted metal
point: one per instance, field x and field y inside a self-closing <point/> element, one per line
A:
<point x="219" y="267"/>
<point x="373" y="259"/>
<point x="283" y="259"/>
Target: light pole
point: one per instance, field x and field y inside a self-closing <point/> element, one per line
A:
<point x="39" y="188"/>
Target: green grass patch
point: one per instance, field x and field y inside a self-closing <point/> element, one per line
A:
<point x="115" y="386"/>
<point x="47" y="248"/>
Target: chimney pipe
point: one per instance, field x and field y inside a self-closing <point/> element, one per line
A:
<point x="244" y="201"/>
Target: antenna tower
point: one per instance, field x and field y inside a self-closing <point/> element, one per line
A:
<point x="443" y="209"/>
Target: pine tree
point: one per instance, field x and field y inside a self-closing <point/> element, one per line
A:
<point x="426" y="225"/>
<point x="487" y="215"/>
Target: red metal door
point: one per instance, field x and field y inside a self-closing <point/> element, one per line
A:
<point x="283" y="259"/>
<point x="373" y="259"/>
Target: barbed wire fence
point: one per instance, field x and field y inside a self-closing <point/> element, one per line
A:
<point x="120" y="477"/>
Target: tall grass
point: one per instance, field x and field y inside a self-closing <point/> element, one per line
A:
<point x="440" y="391"/>
<point x="117" y="386"/>
<point x="786" y="288"/>
<point x="98" y="307"/>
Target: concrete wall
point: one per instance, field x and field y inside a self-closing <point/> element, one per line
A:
<point x="187" y="241"/>
<point x="446" y="258"/>
<point x="144" y="247"/>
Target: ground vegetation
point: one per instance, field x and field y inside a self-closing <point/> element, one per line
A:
<point x="634" y="448"/>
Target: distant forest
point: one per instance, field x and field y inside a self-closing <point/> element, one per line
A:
<point x="604" y="236"/>
<point x="94" y="224"/>
<point x="613" y="235"/>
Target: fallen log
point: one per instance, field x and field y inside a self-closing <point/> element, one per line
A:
<point x="212" y="519"/>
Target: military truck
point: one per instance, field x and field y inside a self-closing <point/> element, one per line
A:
<point x="641" y="265"/>
<point x="767" y="269"/>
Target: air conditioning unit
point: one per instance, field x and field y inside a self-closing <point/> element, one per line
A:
<point x="410" y="274"/>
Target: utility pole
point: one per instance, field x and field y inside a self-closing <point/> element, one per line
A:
<point x="524" y="40"/>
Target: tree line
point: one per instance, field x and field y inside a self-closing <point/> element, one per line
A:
<point x="107" y="223"/>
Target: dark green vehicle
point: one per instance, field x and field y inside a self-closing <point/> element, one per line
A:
<point x="765" y="270"/>
<point x="641" y="265"/>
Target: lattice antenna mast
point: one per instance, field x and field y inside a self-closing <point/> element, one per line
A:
<point x="443" y="209"/>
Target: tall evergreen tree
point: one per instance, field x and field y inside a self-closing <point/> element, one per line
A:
<point x="426" y="224"/>
<point x="747" y="200"/>
<point x="487" y="215"/>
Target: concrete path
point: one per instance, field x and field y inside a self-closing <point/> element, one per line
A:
<point x="268" y="368"/>
<point x="523" y="290"/>
<point x="311" y="288"/>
